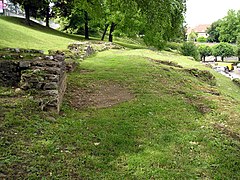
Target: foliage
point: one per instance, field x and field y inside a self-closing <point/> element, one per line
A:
<point x="192" y="36"/>
<point x="204" y="50"/>
<point x="190" y="49"/>
<point x="34" y="8"/>
<point x="131" y="18"/>
<point x="229" y="29"/>
<point x="213" y="32"/>
<point x="223" y="49"/>
<point x="173" y="46"/>
<point x="201" y="39"/>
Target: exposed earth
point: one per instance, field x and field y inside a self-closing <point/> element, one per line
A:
<point x="100" y="95"/>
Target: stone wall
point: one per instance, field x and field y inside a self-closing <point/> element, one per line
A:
<point x="45" y="76"/>
<point x="48" y="77"/>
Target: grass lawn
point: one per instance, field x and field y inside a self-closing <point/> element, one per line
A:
<point x="164" y="132"/>
<point x="175" y="126"/>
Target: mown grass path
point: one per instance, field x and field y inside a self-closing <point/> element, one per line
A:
<point x="165" y="132"/>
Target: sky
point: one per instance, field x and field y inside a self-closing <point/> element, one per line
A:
<point x="208" y="11"/>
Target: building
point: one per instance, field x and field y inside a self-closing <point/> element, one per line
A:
<point x="200" y="30"/>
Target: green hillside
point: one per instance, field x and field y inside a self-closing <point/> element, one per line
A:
<point x="14" y="33"/>
<point x="127" y="114"/>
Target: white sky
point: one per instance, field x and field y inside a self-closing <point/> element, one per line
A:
<point x="208" y="11"/>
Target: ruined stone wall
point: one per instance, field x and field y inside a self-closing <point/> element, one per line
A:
<point x="45" y="76"/>
<point x="48" y="77"/>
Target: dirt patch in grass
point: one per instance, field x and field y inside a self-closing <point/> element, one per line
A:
<point x="227" y="131"/>
<point x="168" y="63"/>
<point x="99" y="96"/>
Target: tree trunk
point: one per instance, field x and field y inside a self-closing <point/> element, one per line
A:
<point x="222" y="58"/>
<point x="112" y="28"/>
<point x="47" y="16"/>
<point x="105" y="31"/>
<point x="86" y="30"/>
<point x="204" y="58"/>
<point x="27" y="13"/>
<point x="239" y="58"/>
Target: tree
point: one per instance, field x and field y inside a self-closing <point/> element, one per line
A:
<point x="190" y="49"/>
<point x="163" y="20"/>
<point x="204" y="51"/>
<point x="192" y="36"/>
<point x="77" y="14"/>
<point x="223" y="49"/>
<point x="158" y="21"/>
<point x="213" y="32"/>
<point x="31" y="7"/>
<point x="229" y="27"/>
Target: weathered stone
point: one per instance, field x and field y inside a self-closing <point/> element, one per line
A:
<point x="24" y="64"/>
<point x="17" y="50"/>
<point x="59" y="57"/>
<point x="18" y="91"/>
<point x="50" y="92"/>
<point x="38" y="58"/>
<point x="52" y="77"/>
<point x="50" y="86"/>
<point x="48" y="58"/>
<point x="53" y="70"/>
<point x="39" y="85"/>
<point x="53" y="102"/>
<point x="54" y="64"/>
<point x="38" y="63"/>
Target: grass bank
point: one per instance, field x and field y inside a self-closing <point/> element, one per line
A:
<point x="166" y="131"/>
<point x="173" y="125"/>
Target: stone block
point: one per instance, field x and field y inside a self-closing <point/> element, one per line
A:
<point x="59" y="57"/>
<point x="24" y="64"/>
<point x="50" y="93"/>
<point x="50" y="86"/>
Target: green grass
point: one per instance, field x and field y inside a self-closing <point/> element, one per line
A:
<point x="166" y="132"/>
<point x="15" y="34"/>
<point x="161" y="134"/>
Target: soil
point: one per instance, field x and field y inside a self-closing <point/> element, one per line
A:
<point x="99" y="96"/>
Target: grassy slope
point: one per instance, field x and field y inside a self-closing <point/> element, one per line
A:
<point x="14" y="33"/>
<point x="161" y="134"/>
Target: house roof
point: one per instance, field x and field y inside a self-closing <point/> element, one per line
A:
<point x="199" y="29"/>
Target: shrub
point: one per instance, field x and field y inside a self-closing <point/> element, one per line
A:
<point x="201" y="39"/>
<point x="204" y="51"/>
<point x="190" y="49"/>
<point x="173" y="46"/>
<point x="192" y="36"/>
<point x="223" y="49"/>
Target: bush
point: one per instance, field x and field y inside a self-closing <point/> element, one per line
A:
<point x="204" y="51"/>
<point x="173" y="46"/>
<point x="201" y="39"/>
<point x="190" y="49"/>
<point x="223" y="49"/>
